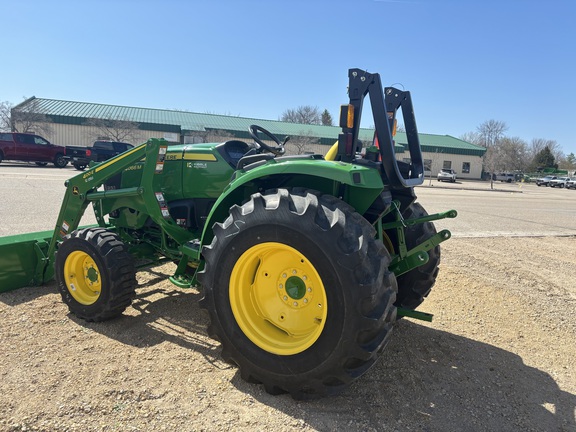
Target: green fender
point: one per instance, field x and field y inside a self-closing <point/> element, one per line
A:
<point x="356" y="184"/>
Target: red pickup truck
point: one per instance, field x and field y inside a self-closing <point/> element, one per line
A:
<point x="30" y="148"/>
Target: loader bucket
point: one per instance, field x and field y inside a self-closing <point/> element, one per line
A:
<point x="24" y="260"/>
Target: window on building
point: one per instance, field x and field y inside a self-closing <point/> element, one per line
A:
<point x="447" y="164"/>
<point x="465" y="167"/>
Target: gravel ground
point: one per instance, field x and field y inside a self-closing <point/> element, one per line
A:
<point x="499" y="355"/>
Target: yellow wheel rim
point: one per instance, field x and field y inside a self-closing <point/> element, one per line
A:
<point x="278" y="298"/>
<point x="82" y="277"/>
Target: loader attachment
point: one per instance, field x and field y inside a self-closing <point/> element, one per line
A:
<point x="23" y="259"/>
<point x="27" y="259"/>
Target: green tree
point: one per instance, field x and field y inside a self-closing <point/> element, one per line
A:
<point x="327" y="118"/>
<point x="544" y="159"/>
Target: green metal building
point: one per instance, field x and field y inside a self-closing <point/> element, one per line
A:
<point x="80" y="123"/>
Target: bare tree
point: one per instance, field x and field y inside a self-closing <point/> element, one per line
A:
<point x="490" y="132"/>
<point x="28" y="118"/>
<point x="5" y="116"/>
<point x="490" y="163"/>
<point x="471" y="137"/>
<point x="213" y="135"/>
<point x="115" y="130"/>
<point x="513" y="154"/>
<point x="304" y="114"/>
<point x="301" y="143"/>
<point x="435" y="163"/>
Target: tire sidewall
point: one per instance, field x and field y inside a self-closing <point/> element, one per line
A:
<point x="74" y="244"/>
<point x="333" y="334"/>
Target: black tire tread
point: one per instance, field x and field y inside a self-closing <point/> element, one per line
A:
<point x="373" y="295"/>
<point x="118" y="267"/>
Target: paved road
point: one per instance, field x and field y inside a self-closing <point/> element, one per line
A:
<point x="509" y="210"/>
<point x="31" y="198"/>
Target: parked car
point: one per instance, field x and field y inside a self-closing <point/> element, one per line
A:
<point x="447" y="174"/>
<point x="30" y="148"/>
<point x="559" y="182"/>
<point x="545" y="181"/>
<point x="505" y="177"/>
<point x="100" y="151"/>
<point x="571" y="183"/>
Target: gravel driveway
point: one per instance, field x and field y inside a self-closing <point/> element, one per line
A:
<point x="499" y="355"/>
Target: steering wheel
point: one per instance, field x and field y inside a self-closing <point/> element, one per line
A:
<point x="279" y="150"/>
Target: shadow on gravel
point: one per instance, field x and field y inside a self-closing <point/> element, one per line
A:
<point x="431" y="380"/>
<point x="160" y="315"/>
<point x="426" y="379"/>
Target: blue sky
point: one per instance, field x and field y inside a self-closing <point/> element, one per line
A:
<point x="463" y="61"/>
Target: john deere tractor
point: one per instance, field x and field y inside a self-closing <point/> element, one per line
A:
<point x="305" y="262"/>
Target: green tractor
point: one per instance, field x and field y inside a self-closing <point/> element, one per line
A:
<point x="305" y="262"/>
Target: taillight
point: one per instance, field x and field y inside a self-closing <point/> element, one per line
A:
<point x="88" y="152"/>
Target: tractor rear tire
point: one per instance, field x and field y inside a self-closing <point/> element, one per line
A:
<point x="95" y="274"/>
<point x="416" y="284"/>
<point x="298" y="292"/>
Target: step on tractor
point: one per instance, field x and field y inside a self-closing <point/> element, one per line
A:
<point x="304" y="262"/>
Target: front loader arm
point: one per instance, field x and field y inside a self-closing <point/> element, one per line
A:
<point x="80" y="188"/>
<point x="25" y="260"/>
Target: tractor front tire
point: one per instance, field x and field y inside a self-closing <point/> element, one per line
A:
<point x="95" y="274"/>
<point x="298" y="292"/>
<point x="416" y="284"/>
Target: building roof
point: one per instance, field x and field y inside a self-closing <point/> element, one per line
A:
<point x="185" y="122"/>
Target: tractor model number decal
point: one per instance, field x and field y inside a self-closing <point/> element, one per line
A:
<point x="89" y="176"/>
<point x="134" y="167"/>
